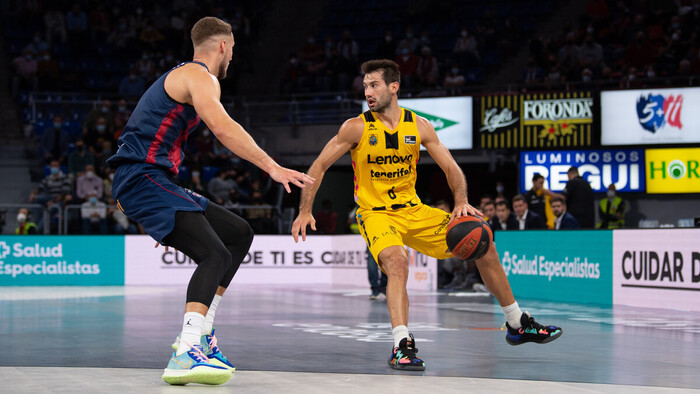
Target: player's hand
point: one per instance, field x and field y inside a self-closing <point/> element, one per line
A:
<point x="465" y="209"/>
<point x="167" y="248"/>
<point x="285" y="176"/>
<point x="300" y="223"/>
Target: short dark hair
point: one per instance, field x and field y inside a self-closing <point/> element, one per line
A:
<point x="572" y="170"/>
<point x="503" y="203"/>
<point x="206" y="27"/>
<point x="536" y="177"/>
<point x="489" y="202"/>
<point x="519" y="197"/>
<point x="558" y="199"/>
<point x="389" y="68"/>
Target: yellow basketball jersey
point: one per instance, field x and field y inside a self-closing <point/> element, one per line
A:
<point x="385" y="161"/>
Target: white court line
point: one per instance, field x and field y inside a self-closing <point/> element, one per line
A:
<point x="120" y="380"/>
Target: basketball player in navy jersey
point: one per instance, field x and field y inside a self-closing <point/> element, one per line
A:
<point x="150" y="152"/>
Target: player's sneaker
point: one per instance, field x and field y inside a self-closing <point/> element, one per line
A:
<point x="404" y="356"/>
<point x="194" y="367"/>
<point x="208" y="343"/>
<point x="531" y="331"/>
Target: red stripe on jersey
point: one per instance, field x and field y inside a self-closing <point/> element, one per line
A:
<point x="175" y="154"/>
<point x="162" y="130"/>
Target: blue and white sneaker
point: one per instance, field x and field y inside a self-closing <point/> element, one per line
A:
<point x="208" y="343"/>
<point x="194" y="367"/>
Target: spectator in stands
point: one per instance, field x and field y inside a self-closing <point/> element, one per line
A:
<point x="79" y="159"/>
<point x="328" y="45"/>
<point x="611" y="210"/>
<point x="219" y="187"/>
<point x="562" y="220"/>
<point x="94" y="215"/>
<point x="94" y="136"/>
<point x="122" y="224"/>
<point x="150" y="37"/>
<point x="409" y="41"/>
<point x="145" y="66"/>
<point x="454" y="79"/>
<point x="348" y="48"/>
<point x="466" y="49"/>
<point x="500" y="192"/>
<point x="569" y="57"/>
<point x="387" y="47"/>
<point x="53" y="192"/>
<point x="311" y="51"/>
<point x="408" y="64"/>
<point x="76" y="25"/>
<point x="293" y="75"/>
<point x="428" y="69"/>
<point x="597" y="10"/>
<point x="527" y="220"/>
<point x="489" y="210"/>
<point x="87" y="183"/>
<point x="554" y="75"/>
<point x="54" y="142"/>
<point x="24" y="225"/>
<point x="107" y="185"/>
<point x="638" y="54"/>
<point x="121" y="37"/>
<point x="102" y="153"/>
<point x="48" y="72"/>
<point x="169" y="60"/>
<point x="132" y="86"/>
<point x="104" y="110"/>
<point x="25" y="73"/>
<point x="260" y="219"/>
<point x="534" y="73"/>
<point x="591" y="55"/>
<point x="55" y="25"/>
<point x="338" y="71"/>
<point x="579" y="199"/>
<point x="38" y="45"/>
<point x="121" y="116"/>
<point x="326" y="218"/>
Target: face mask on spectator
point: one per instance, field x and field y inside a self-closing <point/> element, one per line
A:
<point x="455" y="70"/>
<point x="586" y="78"/>
<point x="651" y="74"/>
<point x="122" y="26"/>
<point x="169" y="58"/>
<point x="111" y="176"/>
<point x="310" y="40"/>
<point x="465" y="33"/>
<point x="589" y="29"/>
<point x="90" y="174"/>
<point x="409" y="35"/>
<point x="205" y="133"/>
<point x="57" y="125"/>
<point x="195" y="174"/>
<point x="122" y="109"/>
<point x="21" y="217"/>
<point x="101" y="128"/>
<point x="54" y="170"/>
<point x="47" y="57"/>
<point x="611" y="193"/>
<point x="28" y="57"/>
<point x="93" y="200"/>
<point x="499" y="189"/>
<point x="132" y="77"/>
<point x="105" y="109"/>
<point x="107" y="151"/>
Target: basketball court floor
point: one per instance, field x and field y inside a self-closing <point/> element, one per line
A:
<point x="318" y="339"/>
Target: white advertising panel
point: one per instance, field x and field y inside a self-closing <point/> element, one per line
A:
<point x="657" y="268"/>
<point x="650" y="116"/>
<point x="451" y="117"/>
<point x="275" y="259"/>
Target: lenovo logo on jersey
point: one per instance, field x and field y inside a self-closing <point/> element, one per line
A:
<point x="389" y="159"/>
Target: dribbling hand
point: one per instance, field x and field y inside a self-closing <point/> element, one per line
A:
<point x="464" y="210"/>
<point x="300" y="223"/>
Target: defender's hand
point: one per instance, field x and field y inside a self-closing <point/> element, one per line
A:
<point x="300" y="223"/>
<point x="285" y="176"/>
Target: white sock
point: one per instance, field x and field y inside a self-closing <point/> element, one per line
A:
<point x="513" y="314"/>
<point x="399" y="333"/>
<point x="209" y="320"/>
<point x="191" y="331"/>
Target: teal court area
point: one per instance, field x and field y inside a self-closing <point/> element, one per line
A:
<point x="321" y="339"/>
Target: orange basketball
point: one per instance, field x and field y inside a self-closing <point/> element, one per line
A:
<point x="469" y="237"/>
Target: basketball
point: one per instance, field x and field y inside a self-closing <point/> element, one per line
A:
<point x="469" y="237"/>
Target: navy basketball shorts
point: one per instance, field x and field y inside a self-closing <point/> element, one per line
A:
<point x="147" y="195"/>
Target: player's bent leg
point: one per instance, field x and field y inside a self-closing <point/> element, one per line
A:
<point x="234" y="232"/>
<point x="211" y="350"/>
<point x="496" y="281"/>
<point x="394" y="263"/>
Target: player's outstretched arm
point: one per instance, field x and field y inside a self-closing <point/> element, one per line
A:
<point x="348" y="136"/>
<point x="205" y="94"/>
<point x="455" y="176"/>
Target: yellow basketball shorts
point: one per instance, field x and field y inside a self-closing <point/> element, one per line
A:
<point x="420" y="227"/>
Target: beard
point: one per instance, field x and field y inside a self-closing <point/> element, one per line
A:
<point x="382" y="103"/>
<point x="223" y="66"/>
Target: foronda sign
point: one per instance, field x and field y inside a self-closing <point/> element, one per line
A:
<point x="673" y="170"/>
<point x="48" y="260"/>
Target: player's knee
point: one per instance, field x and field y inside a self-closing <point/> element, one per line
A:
<point x="395" y="266"/>
<point x="490" y="257"/>
<point x="221" y="257"/>
<point x="247" y="237"/>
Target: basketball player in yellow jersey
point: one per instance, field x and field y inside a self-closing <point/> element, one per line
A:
<point x="384" y="144"/>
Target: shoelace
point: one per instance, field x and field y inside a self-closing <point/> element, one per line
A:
<point x="533" y="324"/>
<point x="197" y="354"/>
<point x="212" y="344"/>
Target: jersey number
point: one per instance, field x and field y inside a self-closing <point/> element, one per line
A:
<point x="391" y="193"/>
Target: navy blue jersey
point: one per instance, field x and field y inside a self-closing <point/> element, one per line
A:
<point x="157" y="129"/>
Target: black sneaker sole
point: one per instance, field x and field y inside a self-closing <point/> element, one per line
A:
<point x="406" y="368"/>
<point x="546" y="340"/>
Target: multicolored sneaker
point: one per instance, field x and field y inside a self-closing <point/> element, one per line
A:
<point x="404" y="356"/>
<point x="194" y="367"/>
<point x="208" y="343"/>
<point x="531" y="331"/>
